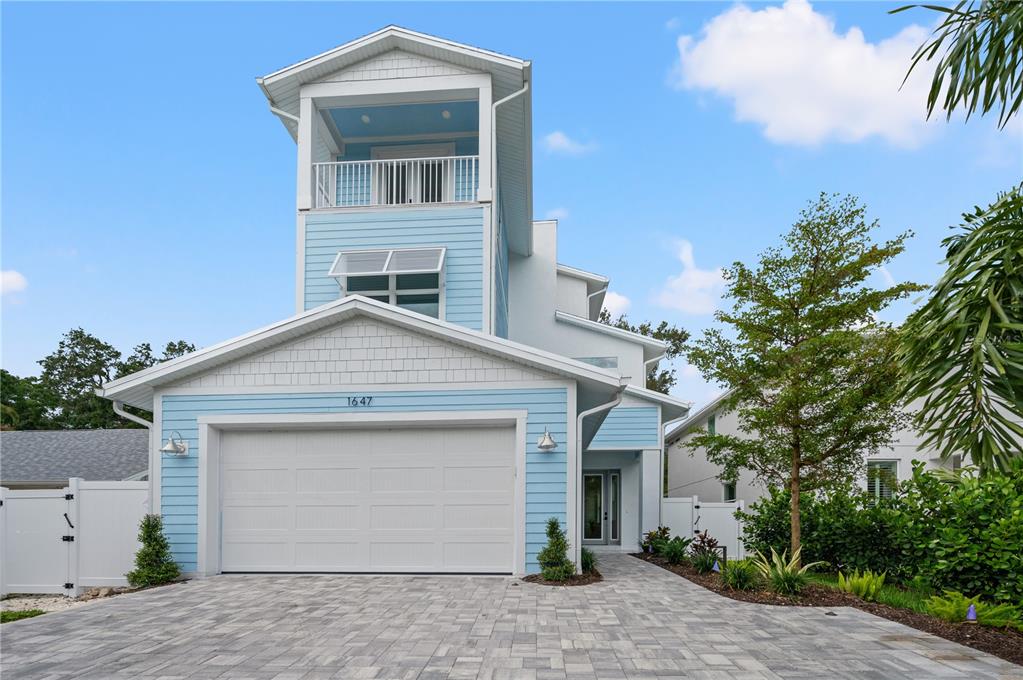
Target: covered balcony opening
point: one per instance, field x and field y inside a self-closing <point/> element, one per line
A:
<point x="398" y="154"/>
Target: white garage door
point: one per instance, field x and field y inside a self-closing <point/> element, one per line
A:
<point x="416" y="500"/>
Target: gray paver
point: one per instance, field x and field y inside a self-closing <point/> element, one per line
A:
<point x="641" y="622"/>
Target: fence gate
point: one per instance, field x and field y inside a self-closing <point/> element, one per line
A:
<point x="38" y="523"/>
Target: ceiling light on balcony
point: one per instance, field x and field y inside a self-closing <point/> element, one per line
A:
<point x="445" y="114"/>
<point x="365" y="119"/>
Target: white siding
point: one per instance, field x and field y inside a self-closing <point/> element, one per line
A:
<point x="571" y="296"/>
<point x="363" y="352"/>
<point x="394" y="64"/>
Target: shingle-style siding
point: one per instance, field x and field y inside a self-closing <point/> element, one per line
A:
<point x="632" y="427"/>
<point x="546" y="473"/>
<point x="364" y="352"/>
<point x="394" y="64"/>
<point x="460" y="230"/>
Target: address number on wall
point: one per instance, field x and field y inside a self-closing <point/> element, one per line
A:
<point x="360" y="401"/>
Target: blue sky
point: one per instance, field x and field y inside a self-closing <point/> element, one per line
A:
<point x="148" y="193"/>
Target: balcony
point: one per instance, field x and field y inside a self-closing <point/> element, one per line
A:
<point x="396" y="182"/>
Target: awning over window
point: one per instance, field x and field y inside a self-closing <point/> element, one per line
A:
<point x="397" y="261"/>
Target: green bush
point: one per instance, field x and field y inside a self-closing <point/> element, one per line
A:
<point x="553" y="557"/>
<point x="653" y="538"/>
<point x="588" y="560"/>
<point x="703" y="561"/>
<point x="153" y="562"/>
<point x="866" y="586"/>
<point x="962" y="535"/>
<point x="675" y="550"/>
<point x="952" y="607"/>
<point x="785" y="576"/>
<point x="739" y="575"/>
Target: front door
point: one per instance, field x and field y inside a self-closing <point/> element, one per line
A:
<point x="601" y="507"/>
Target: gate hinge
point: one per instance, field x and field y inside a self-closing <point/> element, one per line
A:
<point x="67" y="538"/>
<point x="69" y="586"/>
<point x="69" y="496"/>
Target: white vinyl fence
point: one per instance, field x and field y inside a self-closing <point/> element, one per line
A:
<point x="689" y="516"/>
<point x="66" y="540"/>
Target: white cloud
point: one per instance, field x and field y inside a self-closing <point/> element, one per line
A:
<point x="787" y="69"/>
<point x="886" y="276"/>
<point x="694" y="290"/>
<point x="557" y="214"/>
<point x="559" y="142"/>
<point x="673" y="24"/>
<point x="12" y="281"/>
<point x="616" y="304"/>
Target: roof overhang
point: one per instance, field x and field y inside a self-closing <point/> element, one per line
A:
<point x="652" y="349"/>
<point x="138" y="388"/>
<point x="596" y="287"/>
<point x="686" y="425"/>
<point x="671" y="408"/>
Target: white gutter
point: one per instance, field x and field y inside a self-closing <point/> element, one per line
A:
<point x="119" y="410"/>
<point x="577" y="474"/>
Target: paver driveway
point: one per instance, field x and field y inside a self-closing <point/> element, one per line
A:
<point x="641" y="622"/>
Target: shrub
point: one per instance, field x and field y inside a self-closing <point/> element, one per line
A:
<point x="153" y="562"/>
<point x="588" y="560"/>
<point x="784" y="575"/>
<point x="865" y="586"/>
<point x="675" y="550"/>
<point x="739" y="575"/>
<point x="704" y="561"/>
<point x="652" y="538"/>
<point x="704" y="543"/>
<point x="553" y="557"/>
<point x="952" y="607"/>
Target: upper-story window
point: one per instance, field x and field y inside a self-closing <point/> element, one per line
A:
<point x="411" y="278"/>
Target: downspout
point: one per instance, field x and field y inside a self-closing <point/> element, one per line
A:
<point x="493" y="185"/>
<point x="593" y="295"/>
<point x="576" y="474"/>
<point x="119" y="410"/>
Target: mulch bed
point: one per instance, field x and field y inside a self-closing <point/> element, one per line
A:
<point x="1005" y="643"/>
<point x="577" y="580"/>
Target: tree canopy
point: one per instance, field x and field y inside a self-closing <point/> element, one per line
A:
<point x="658" y="378"/>
<point x="811" y="370"/>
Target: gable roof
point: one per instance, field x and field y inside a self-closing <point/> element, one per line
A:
<point x="652" y="348"/>
<point x="47" y="456"/>
<point x="698" y="417"/>
<point x="137" y="389"/>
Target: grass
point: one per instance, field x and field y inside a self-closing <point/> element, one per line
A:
<point x="7" y="617"/>
<point x="890" y="594"/>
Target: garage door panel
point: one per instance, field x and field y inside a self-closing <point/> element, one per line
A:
<point x="428" y="499"/>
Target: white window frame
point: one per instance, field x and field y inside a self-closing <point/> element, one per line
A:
<point x="895" y="473"/>
<point x="392" y="291"/>
<point x="724" y="492"/>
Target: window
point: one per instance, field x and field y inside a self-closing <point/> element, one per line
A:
<point x="882" y="477"/>
<point x="409" y="278"/>
<point x="600" y="362"/>
<point x="712" y="425"/>
<point x="728" y="492"/>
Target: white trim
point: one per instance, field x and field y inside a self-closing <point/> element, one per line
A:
<point x="687" y="424"/>
<point x="574" y="320"/>
<point x="337" y="311"/>
<point x="156" y="457"/>
<point x="577" y="273"/>
<point x="337" y="94"/>
<point x="574" y="464"/>
<point x="368" y="387"/>
<point x="300" y="263"/>
<point x="208" y="559"/>
<point x="384" y="139"/>
<point x="405" y="151"/>
<point x="488" y="270"/>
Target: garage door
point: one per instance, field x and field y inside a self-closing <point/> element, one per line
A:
<point x="415" y="500"/>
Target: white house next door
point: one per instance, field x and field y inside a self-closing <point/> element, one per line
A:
<point x="435" y="499"/>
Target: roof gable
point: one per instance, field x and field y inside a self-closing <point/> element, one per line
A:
<point x="394" y="64"/>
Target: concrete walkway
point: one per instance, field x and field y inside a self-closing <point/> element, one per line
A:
<point x="641" y="622"/>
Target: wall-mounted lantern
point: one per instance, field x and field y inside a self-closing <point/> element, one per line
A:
<point x="546" y="442"/>
<point x="175" y="446"/>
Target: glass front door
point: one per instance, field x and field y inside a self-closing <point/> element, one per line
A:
<point x="601" y="507"/>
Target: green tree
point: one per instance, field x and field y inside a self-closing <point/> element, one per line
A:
<point x="982" y="60"/>
<point x="25" y="403"/>
<point x="657" y="378"/>
<point x="81" y="363"/>
<point x="963" y="349"/>
<point x="142" y="356"/>
<point x="553" y="557"/>
<point x="153" y="562"/>
<point x="811" y="370"/>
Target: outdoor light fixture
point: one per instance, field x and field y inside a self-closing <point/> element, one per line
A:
<point x="365" y="119"/>
<point x="445" y="114"/>
<point x="546" y="442"/>
<point x="175" y="446"/>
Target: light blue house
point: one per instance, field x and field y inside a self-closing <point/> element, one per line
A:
<point x="444" y="387"/>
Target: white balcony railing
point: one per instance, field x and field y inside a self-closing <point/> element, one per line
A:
<point x="406" y="181"/>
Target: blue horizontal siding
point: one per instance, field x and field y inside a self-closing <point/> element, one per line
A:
<point x="546" y="473"/>
<point x="460" y="230"/>
<point x="629" y="427"/>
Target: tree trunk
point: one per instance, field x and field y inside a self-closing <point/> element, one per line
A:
<point x="794" y="524"/>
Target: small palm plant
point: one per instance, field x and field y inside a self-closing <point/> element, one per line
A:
<point x="785" y="575"/>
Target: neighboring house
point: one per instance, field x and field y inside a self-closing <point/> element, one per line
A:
<point x="444" y="387"/>
<point x="46" y="459"/>
<point x="694" y="475"/>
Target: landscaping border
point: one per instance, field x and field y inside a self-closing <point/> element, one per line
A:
<point x="1004" y="643"/>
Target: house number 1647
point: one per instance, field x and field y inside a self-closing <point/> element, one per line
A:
<point x="360" y="401"/>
